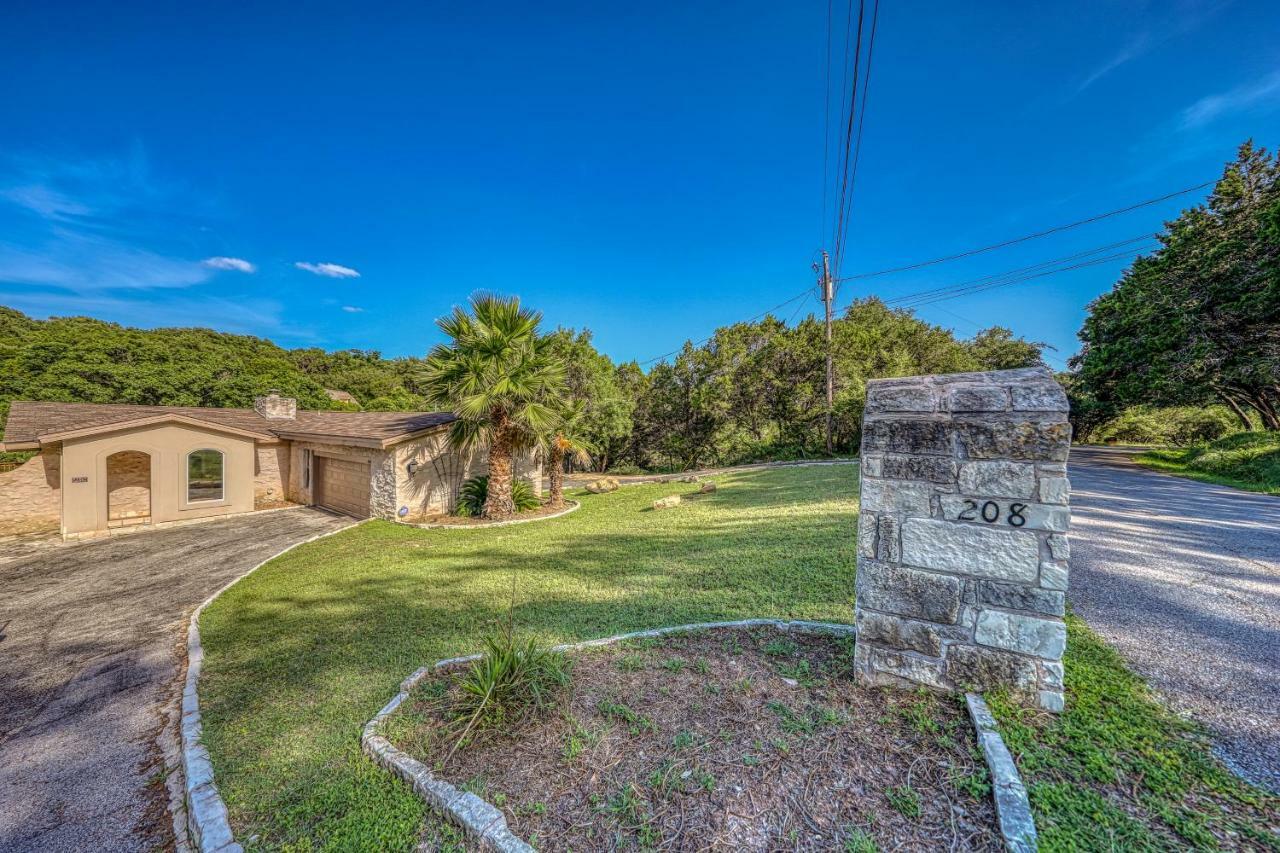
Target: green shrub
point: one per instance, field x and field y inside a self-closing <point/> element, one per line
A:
<point x="509" y="682"/>
<point x="475" y="492"/>
<point x="626" y="468"/>
<point x="1177" y="425"/>
<point x="1249" y="459"/>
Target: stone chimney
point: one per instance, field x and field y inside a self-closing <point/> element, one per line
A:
<point x="273" y="407"/>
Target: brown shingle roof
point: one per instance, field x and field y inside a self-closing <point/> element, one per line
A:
<point x="29" y="421"/>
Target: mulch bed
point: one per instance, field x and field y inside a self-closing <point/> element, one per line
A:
<point x="723" y="739"/>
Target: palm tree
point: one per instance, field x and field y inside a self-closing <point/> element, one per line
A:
<point x="495" y="377"/>
<point x="567" y="440"/>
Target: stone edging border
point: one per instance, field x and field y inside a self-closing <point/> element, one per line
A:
<point x="479" y="819"/>
<point x="1013" y="809"/>
<point x="573" y="505"/>
<point x="207" y="823"/>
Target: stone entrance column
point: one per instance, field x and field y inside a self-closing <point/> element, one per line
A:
<point x="962" y="557"/>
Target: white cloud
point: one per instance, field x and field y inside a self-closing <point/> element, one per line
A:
<point x="1264" y="93"/>
<point x="351" y="309"/>
<point x="328" y="270"/>
<point x="237" y="264"/>
<point x="84" y="263"/>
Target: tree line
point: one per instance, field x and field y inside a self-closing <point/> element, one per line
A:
<point x="1197" y="322"/>
<point x="753" y="391"/>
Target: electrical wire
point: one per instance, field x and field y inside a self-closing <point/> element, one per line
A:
<point x="862" y="118"/>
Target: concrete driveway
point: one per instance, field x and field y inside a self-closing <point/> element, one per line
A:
<point x="92" y="650"/>
<point x="1183" y="578"/>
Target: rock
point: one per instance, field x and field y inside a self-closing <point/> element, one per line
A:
<point x="707" y="488"/>
<point x="915" y="436"/>
<point x="969" y="549"/>
<point x="977" y="399"/>
<point x="899" y="633"/>
<point x="981" y="669"/>
<point x="1055" y="490"/>
<point x="998" y="479"/>
<point x="1053" y="574"/>
<point x="1031" y="635"/>
<point x="605" y="484"/>
<point x="690" y="478"/>
<point x="895" y="496"/>
<point x="909" y="667"/>
<point x="907" y="592"/>
<point x="668" y="502"/>
<point x="1013" y="596"/>
<point x="933" y="469"/>
<point x="1022" y="440"/>
<point x="907" y="399"/>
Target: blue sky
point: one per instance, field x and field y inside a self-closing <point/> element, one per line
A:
<point x="339" y="175"/>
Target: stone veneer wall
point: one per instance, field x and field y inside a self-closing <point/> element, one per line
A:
<point x="31" y="496"/>
<point x="271" y="475"/>
<point x="962" y="557"/>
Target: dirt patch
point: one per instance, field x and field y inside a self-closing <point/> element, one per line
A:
<point x="724" y="739"/>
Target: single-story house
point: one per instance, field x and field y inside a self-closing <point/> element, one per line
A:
<point x="101" y="467"/>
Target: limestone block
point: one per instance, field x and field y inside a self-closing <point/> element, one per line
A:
<point x="927" y="437"/>
<point x="896" y="496"/>
<point x="998" y="479"/>
<point x="912" y="398"/>
<point x="1017" y="440"/>
<point x="932" y="469"/>
<point x="1016" y="632"/>
<point x="867" y="534"/>
<point x="907" y="592"/>
<point x="707" y="488"/>
<point x="605" y="484"/>
<point x="1039" y="397"/>
<point x="980" y="668"/>
<point x="977" y="398"/>
<point x="1055" y="490"/>
<point x="873" y="465"/>
<point x="898" y="633"/>
<point x="1051" y="700"/>
<point x="1060" y="547"/>
<point x="887" y="545"/>
<point x="969" y="549"/>
<point x="909" y="667"/>
<point x="1051" y="673"/>
<point x="668" y="502"/>
<point x="1012" y="596"/>
<point x="980" y="510"/>
<point x="1053" y="574"/>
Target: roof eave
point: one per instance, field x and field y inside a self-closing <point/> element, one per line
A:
<point x="151" y="420"/>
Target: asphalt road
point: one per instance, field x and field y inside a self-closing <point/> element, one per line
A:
<point x="92" y="650"/>
<point x="1183" y="578"/>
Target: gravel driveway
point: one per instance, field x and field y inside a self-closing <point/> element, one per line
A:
<point x="1183" y="578"/>
<point x="92" y="645"/>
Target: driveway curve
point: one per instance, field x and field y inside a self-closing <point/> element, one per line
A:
<point x="92" y="649"/>
<point x="1183" y="579"/>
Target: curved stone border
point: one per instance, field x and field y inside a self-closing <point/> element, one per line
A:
<point x="573" y="505"/>
<point x="207" y="823"/>
<point x="1012" y="806"/>
<point x="483" y="823"/>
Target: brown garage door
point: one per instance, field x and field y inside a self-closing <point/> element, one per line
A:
<point x="342" y="486"/>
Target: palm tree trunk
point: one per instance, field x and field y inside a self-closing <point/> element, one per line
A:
<point x="555" y="464"/>
<point x="499" y="503"/>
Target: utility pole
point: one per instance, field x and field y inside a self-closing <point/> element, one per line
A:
<point x="828" y="296"/>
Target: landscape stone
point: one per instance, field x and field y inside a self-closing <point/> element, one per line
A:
<point x="1051" y="674"/>
<point x="899" y="633"/>
<point x="969" y="549"/>
<point x="599" y="487"/>
<point x="867" y="534"/>
<point x="998" y="479"/>
<point x="707" y="488"/>
<point x="667" y="503"/>
<point x="1051" y="700"/>
<point x="907" y="592"/>
<point x="873" y="465"/>
<point x="933" y="469"/>
<point x="1016" y="632"/>
<point x="978" y="668"/>
<point x="1012" y="596"/>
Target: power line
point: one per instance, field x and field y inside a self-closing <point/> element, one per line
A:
<point x="846" y="155"/>
<point x="1027" y="237"/>
<point x="826" y="128"/>
<point x="862" y="118"/>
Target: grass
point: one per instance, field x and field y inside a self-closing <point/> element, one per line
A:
<point x="303" y="652"/>
<point x="1245" y="460"/>
<point x="1119" y="771"/>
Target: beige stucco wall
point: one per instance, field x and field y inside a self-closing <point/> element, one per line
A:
<point x="271" y="475"/>
<point x="31" y="495"/>
<point x="433" y="488"/>
<point x="85" y="483"/>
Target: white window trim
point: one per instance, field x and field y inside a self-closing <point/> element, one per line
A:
<point x="186" y="479"/>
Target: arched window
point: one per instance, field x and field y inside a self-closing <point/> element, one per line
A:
<point x="204" y="475"/>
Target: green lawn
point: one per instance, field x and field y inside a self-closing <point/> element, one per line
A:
<point x="304" y="651"/>
<point x="1119" y="771"/>
<point x="1244" y="460"/>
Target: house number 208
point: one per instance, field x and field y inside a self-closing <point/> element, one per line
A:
<point x="989" y="512"/>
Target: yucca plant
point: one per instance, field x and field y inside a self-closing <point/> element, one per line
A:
<point x="496" y="377"/>
<point x="510" y="681"/>
<point x="475" y="492"/>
